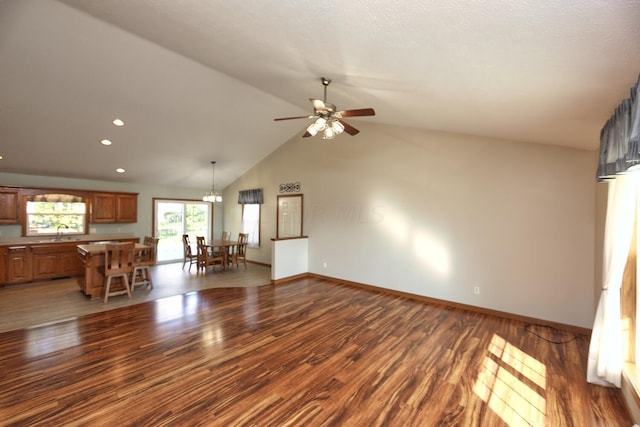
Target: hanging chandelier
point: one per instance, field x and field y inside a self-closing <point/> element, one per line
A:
<point x="212" y="196"/>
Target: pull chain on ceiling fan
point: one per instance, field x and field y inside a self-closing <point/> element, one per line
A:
<point x="327" y="119"/>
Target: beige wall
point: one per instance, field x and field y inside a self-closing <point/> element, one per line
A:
<point x="438" y="214"/>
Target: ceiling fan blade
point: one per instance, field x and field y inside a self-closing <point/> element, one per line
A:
<point x="360" y="112"/>
<point x="318" y="105"/>
<point x="306" y="134"/>
<point x="348" y="128"/>
<point x="290" y="118"/>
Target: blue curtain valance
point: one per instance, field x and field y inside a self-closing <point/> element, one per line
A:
<point x="620" y="138"/>
<point x="250" y="197"/>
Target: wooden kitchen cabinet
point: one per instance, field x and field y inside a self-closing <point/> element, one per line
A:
<point x="36" y="261"/>
<point x="9" y="206"/>
<point x="55" y="260"/>
<point x="114" y="207"/>
<point x="103" y="208"/>
<point x="18" y="264"/>
<point x="126" y="208"/>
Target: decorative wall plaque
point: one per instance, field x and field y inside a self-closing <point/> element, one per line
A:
<point x="290" y="187"/>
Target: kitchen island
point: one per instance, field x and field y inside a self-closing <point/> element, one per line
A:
<point x="92" y="257"/>
<point x="26" y="260"/>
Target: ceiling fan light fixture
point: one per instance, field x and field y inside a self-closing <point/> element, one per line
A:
<point x="312" y="129"/>
<point x="337" y="127"/>
<point x="329" y="133"/>
<point x="321" y="124"/>
<point x="318" y="126"/>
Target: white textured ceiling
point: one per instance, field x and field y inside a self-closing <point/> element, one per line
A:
<point x="201" y="80"/>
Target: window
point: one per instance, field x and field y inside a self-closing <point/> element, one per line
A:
<point x="251" y="223"/>
<point x="251" y="201"/>
<point x="50" y="214"/>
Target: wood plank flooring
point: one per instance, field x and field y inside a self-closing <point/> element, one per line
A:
<point x="32" y="304"/>
<point x="310" y="352"/>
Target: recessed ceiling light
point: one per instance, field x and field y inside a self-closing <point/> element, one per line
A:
<point x="120" y="170"/>
<point x="118" y="122"/>
<point x="105" y="142"/>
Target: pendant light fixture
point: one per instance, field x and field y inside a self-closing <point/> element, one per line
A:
<point x="212" y="196"/>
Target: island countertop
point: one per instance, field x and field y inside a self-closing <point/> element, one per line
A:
<point x="100" y="247"/>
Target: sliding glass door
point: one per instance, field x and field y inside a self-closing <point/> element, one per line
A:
<point x="173" y="218"/>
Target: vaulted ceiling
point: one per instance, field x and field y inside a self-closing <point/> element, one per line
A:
<point x="202" y="80"/>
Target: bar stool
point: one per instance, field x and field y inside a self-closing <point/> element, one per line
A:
<point x="118" y="263"/>
<point x="143" y="259"/>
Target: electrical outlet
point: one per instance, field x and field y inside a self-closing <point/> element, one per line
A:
<point x="476" y="290"/>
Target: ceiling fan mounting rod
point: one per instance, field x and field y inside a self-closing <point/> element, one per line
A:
<point x="325" y="82"/>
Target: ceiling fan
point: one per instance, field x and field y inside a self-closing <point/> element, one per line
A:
<point x="329" y="120"/>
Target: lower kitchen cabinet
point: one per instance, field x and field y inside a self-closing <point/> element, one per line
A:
<point x="55" y="260"/>
<point x="18" y="264"/>
<point x="35" y="261"/>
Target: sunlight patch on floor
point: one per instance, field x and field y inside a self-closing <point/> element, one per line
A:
<point x="511" y="382"/>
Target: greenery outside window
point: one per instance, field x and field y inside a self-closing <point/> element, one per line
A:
<point x="55" y="214"/>
<point x="173" y="218"/>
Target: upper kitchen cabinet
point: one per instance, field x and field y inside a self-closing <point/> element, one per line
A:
<point x="126" y="208"/>
<point x="9" y="206"/>
<point x="114" y="207"/>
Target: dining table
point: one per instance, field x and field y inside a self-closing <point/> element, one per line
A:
<point x="92" y="256"/>
<point x="225" y="246"/>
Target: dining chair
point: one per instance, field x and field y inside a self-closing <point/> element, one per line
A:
<point x="206" y="258"/>
<point x="189" y="256"/>
<point x="143" y="259"/>
<point x="226" y="236"/>
<point x="240" y="250"/>
<point x="118" y="263"/>
<point x="153" y="242"/>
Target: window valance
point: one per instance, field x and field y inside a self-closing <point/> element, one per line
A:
<point x="620" y="138"/>
<point x="250" y="197"/>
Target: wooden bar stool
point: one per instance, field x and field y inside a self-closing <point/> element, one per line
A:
<point x="118" y="263"/>
<point x="143" y="259"/>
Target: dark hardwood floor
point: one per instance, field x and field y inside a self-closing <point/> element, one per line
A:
<point x="309" y="352"/>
